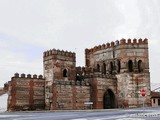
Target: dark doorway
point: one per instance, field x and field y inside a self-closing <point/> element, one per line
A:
<point x="108" y="100"/>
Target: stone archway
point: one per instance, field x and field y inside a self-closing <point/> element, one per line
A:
<point x="109" y="100"/>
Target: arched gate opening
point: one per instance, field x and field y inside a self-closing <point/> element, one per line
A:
<point x="108" y="99"/>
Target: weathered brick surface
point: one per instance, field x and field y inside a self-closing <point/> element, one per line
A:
<point x="26" y="93"/>
<point x="99" y="87"/>
<point x="129" y="88"/>
<point x="128" y="84"/>
<point x="55" y="62"/>
<point x="113" y="76"/>
<point x="70" y="96"/>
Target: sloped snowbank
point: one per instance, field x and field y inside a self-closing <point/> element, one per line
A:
<point x="3" y="102"/>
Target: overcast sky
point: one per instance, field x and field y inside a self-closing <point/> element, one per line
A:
<point x="30" y="27"/>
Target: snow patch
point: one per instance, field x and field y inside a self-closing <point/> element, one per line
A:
<point x="3" y="102"/>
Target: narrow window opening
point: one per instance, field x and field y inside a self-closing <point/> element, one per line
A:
<point x="104" y="68"/>
<point x="130" y="66"/>
<point x="154" y="101"/>
<point x="98" y="68"/>
<point x="64" y="73"/>
<point x="111" y="67"/>
<point x="119" y="66"/>
<point x="140" y="69"/>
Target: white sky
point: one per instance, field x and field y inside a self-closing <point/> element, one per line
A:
<point x="29" y="27"/>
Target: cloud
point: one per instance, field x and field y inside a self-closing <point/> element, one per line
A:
<point x="18" y="56"/>
<point x="12" y="62"/>
<point x="154" y="59"/>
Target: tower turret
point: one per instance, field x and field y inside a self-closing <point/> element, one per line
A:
<point x="58" y="65"/>
<point x="128" y="61"/>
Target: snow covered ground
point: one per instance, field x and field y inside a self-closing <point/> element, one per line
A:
<point x="3" y="102"/>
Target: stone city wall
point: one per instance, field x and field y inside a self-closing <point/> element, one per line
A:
<point x="26" y="93"/>
<point x="116" y="49"/>
<point x="129" y="90"/>
<point x="99" y="87"/>
<point x="70" y="95"/>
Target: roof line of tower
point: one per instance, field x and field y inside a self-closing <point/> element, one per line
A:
<point x="59" y="52"/>
<point x="17" y="75"/>
<point x="116" y="43"/>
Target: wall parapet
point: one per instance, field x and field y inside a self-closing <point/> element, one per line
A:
<point x="107" y="76"/>
<point x="116" y="43"/>
<point x="17" y="75"/>
<point x="71" y="82"/>
<point x="58" y="52"/>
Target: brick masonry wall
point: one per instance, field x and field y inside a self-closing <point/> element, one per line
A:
<point x="123" y="52"/>
<point x="26" y="93"/>
<point x="129" y="83"/>
<point x="58" y="91"/>
<point x="129" y="90"/>
<point x="98" y="88"/>
<point x="70" y="95"/>
<point x="55" y="61"/>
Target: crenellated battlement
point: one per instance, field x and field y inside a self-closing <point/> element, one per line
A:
<point x="79" y="68"/>
<point x="116" y="43"/>
<point x="134" y="41"/>
<point x="28" y="76"/>
<point x="58" y="52"/>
